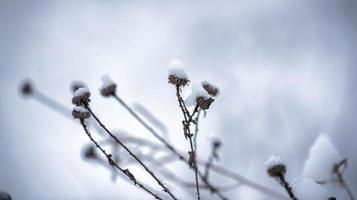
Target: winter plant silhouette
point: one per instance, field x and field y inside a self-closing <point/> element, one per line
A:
<point x="202" y="97"/>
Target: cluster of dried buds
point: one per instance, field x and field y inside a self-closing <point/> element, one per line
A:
<point x="81" y="99"/>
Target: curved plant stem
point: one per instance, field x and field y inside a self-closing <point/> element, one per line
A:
<point x="165" y="189"/>
<point x="113" y="163"/>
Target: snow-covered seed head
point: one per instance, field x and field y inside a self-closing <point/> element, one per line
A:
<point x="275" y="167"/>
<point x="27" y="88"/>
<point x="108" y="88"/>
<point x="203" y="102"/>
<point x="75" y="85"/>
<point x="210" y="88"/>
<point x="81" y="96"/>
<point x="177" y="76"/>
<point x="79" y="112"/>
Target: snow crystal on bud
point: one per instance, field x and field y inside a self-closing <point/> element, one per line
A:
<point x="81" y="91"/>
<point x="196" y="91"/>
<point x="308" y="189"/>
<point x="321" y="160"/>
<point x="273" y="161"/>
<point x="176" y="69"/>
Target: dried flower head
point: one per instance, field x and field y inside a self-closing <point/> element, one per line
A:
<point x="81" y="96"/>
<point x="27" y="88"/>
<point x="204" y="103"/>
<point x="275" y="167"/>
<point x="79" y="112"/>
<point x="210" y="88"/>
<point x="217" y="143"/>
<point x="177" y="76"/>
<point x="89" y="152"/>
<point x="75" y="85"/>
<point x="108" y="87"/>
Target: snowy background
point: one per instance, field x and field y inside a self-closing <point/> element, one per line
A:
<point x="286" y="70"/>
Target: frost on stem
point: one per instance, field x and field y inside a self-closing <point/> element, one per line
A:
<point x="177" y="75"/>
<point x="79" y="112"/>
<point x="81" y="96"/>
<point x="108" y="88"/>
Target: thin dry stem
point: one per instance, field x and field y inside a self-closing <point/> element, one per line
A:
<point x="188" y="135"/>
<point x="165" y="189"/>
<point x="113" y="163"/>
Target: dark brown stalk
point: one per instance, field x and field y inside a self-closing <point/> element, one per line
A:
<point x="165" y="189"/>
<point x="287" y="187"/>
<point x="188" y="135"/>
<point x="113" y="163"/>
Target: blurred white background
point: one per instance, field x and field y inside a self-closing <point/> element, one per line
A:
<point x="286" y="70"/>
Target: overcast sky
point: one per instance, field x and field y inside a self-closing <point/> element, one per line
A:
<point x="286" y="70"/>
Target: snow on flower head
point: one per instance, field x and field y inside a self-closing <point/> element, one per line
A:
<point x="322" y="158"/>
<point x="81" y="91"/>
<point x="81" y="96"/>
<point x="210" y="88"/>
<point x="275" y="167"/>
<point x="308" y="189"/>
<point x="75" y="85"/>
<point x="273" y="161"/>
<point x="177" y="75"/>
<point x="79" y="112"/>
<point x="108" y="88"/>
<point x="196" y="91"/>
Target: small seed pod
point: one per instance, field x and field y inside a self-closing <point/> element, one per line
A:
<point x="108" y="90"/>
<point x="176" y="80"/>
<point x="276" y="171"/>
<point x="210" y="88"/>
<point x="80" y="112"/>
<point x="204" y="103"/>
<point x="27" y="88"/>
<point x="81" y="96"/>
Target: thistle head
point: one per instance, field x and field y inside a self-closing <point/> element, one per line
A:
<point x="275" y="167"/>
<point x="81" y="96"/>
<point x="177" y="76"/>
<point x="79" y="112"/>
<point x="108" y="88"/>
<point x="210" y="88"/>
<point x="204" y="103"/>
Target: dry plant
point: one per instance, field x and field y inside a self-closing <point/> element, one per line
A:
<point x="162" y="153"/>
